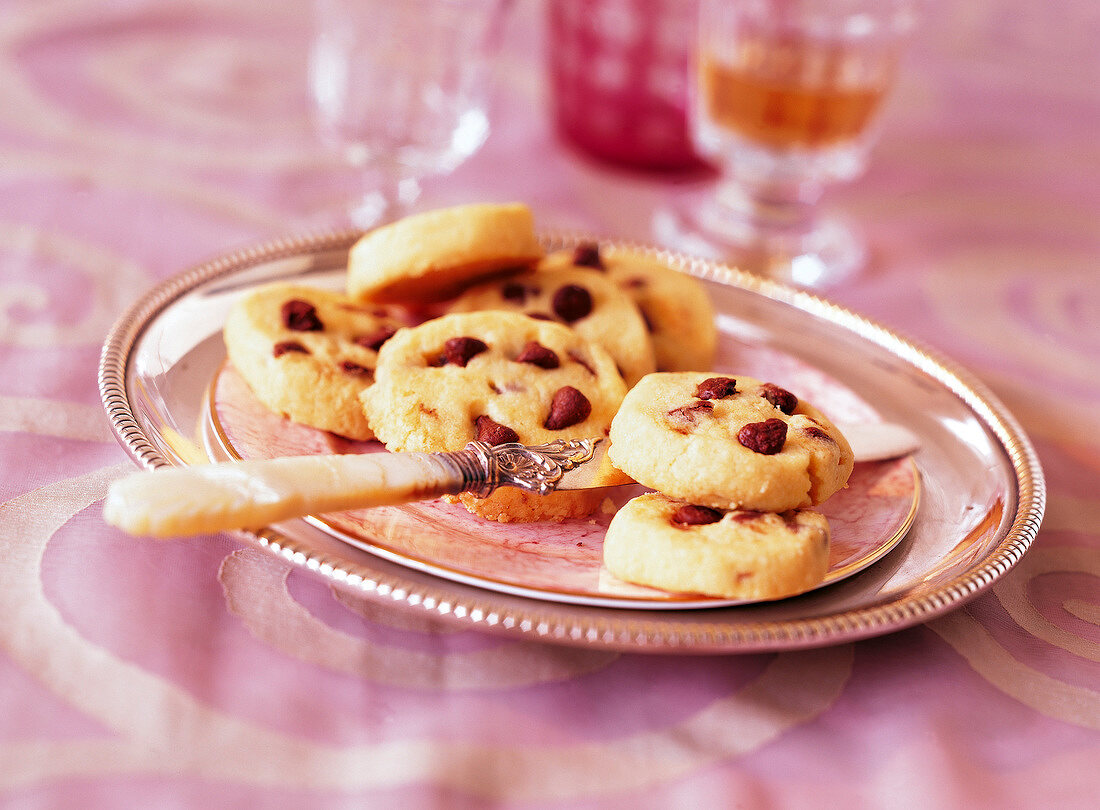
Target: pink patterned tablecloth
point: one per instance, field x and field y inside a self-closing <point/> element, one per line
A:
<point x="138" y="137"/>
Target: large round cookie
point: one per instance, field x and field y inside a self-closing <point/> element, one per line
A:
<point x="496" y="377"/>
<point x="729" y="443"/>
<point x="307" y="353"/>
<point x="656" y="541"/>
<point x="429" y="257"/>
<point x="677" y="311"/>
<point x="583" y="299"/>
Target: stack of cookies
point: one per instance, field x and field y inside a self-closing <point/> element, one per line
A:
<point x="734" y="463"/>
<point x="454" y="326"/>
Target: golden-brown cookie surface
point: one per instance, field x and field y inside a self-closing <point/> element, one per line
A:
<point x="677" y="310"/>
<point x="307" y="353"/>
<point x="583" y="299"/>
<point x="431" y="256"/>
<point x="664" y="543"/>
<point x="495" y="377"/>
<point x="728" y="442"/>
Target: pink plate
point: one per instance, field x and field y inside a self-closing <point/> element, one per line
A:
<point x="562" y="561"/>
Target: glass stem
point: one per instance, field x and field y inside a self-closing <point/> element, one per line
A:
<point x="775" y="212"/>
<point x="387" y="195"/>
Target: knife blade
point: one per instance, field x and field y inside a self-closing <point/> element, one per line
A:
<point x="878" y="441"/>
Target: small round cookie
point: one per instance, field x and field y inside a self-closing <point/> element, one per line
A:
<point x="308" y="353"/>
<point x="676" y="308"/>
<point x="728" y="443"/>
<point x="580" y="298"/>
<point x="429" y="257"/>
<point x="495" y="377"/>
<point x="664" y="543"/>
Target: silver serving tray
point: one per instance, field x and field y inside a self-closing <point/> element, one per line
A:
<point x="982" y="495"/>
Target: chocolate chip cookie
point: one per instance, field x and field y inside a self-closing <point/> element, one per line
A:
<point x="676" y="546"/>
<point x="431" y="256"/>
<point x="495" y="377"/>
<point x="582" y="299"/>
<point x="728" y="443"/>
<point x="307" y="353"/>
<point x="677" y="310"/>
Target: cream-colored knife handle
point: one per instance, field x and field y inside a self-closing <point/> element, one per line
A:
<point x="249" y="494"/>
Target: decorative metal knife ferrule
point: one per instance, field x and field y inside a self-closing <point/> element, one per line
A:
<point x="537" y="468"/>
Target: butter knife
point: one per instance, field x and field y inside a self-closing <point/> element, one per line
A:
<point x="204" y="498"/>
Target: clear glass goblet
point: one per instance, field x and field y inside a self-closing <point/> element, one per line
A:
<point x="785" y="98"/>
<point x="400" y="90"/>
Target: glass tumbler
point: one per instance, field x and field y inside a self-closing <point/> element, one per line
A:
<point x="619" y="79"/>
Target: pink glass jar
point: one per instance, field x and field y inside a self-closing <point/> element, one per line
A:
<point x="619" y="79"/>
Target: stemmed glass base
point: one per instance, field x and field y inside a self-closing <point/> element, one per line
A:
<point x="781" y="238"/>
<point x="382" y="204"/>
<point x="358" y="199"/>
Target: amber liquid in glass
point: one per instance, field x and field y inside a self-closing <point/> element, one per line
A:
<point x="794" y="93"/>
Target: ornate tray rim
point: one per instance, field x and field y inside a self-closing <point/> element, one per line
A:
<point x="595" y="626"/>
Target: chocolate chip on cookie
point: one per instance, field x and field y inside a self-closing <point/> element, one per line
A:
<point x="538" y="355"/>
<point x="288" y="347"/>
<point x="781" y="398"/>
<point x="458" y="351"/>
<point x="571" y="302"/>
<point x="494" y="433"/>
<point x="766" y="438"/>
<point x="716" y="388"/>
<point x="684" y="418"/>
<point x="517" y="292"/>
<point x="301" y="316"/>
<point x="375" y="339"/>
<point x="749" y="516"/>
<point x="568" y="407"/>
<point x="587" y="254"/>
<point x="817" y="433"/>
<point x="694" y="515"/>
<point x="350" y="367"/>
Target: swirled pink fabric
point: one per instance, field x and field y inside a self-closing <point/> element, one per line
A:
<point x="140" y="136"/>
